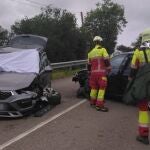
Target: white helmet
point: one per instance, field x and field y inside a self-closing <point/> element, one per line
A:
<point x="97" y="38"/>
<point x="145" y="44"/>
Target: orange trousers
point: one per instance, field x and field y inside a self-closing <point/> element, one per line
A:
<point x="98" y="84"/>
<point x="143" y="118"/>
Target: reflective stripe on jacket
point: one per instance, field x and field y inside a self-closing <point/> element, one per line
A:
<point x="96" y="58"/>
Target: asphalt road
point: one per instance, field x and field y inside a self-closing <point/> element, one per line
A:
<point x="73" y="125"/>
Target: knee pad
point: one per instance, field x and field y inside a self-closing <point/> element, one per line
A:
<point x="103" y="83"/>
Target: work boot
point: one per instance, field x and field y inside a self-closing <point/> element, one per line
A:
<point x="143" y="139"/>
<point x="102" y="108"/>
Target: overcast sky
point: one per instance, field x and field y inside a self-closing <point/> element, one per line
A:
<point x="137" y="13"/>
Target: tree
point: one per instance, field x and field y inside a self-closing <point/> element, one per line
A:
<point x="65" y="40"/>
<point x="124" y="48"/>
<point x="3" y="36"/>
<point x="137" y="43"/>
<point x="107" y="20"/>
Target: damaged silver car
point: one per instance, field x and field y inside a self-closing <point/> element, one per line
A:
<point x="25" y="83"/>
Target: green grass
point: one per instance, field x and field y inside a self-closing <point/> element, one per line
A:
<point x="58" y="74"/>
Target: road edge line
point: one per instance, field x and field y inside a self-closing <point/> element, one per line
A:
<point x="43" y="123"/>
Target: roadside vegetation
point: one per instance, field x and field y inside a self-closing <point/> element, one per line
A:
<point x="63" y="73"/>
<point x="66" y="40"/>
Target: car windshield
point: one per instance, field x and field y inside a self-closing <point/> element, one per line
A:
<point x="23" y="61"/>
<point x="117" y="60"/>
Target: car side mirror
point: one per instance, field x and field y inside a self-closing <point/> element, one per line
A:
<point x="48" y="68"/>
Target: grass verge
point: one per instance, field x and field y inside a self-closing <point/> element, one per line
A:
<point x="58" y="74"/>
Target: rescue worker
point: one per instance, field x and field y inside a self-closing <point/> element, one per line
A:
<point x="139" y="59"/>
<point x="98" y="66"/>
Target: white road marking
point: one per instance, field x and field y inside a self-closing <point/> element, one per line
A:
<point x="24" y="134"/>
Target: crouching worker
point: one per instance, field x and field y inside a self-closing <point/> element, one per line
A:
<point x="99" y="65"/>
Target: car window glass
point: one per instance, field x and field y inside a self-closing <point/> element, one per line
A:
<point x="128" y="65"/>
<point x="117" y="60"/>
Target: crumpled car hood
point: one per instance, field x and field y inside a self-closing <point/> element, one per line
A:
<point x="15" y="81"/>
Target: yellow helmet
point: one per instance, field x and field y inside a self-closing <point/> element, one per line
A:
<point x="97" y="38"/>
<point x="145" y="35"/>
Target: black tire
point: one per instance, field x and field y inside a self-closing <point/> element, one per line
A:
<point x="80" y="92"/>
<point x="87" y="89"/>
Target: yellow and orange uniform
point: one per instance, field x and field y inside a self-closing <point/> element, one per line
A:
<point x="98" y="59"/>
<point x="139" y="60"/>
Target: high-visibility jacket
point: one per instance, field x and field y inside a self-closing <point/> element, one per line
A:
<point x="138" y="58"/>
<point x="96" y="58"/>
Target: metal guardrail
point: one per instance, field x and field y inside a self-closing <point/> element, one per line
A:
<point x="68" y="64"/>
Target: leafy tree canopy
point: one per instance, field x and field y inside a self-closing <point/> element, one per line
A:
<point x="107" y="20"/>
<point x="137" y="42"/>
<point x="124" y="48"/>
<point x="65" y="40"/>
<point x="3" y="36"/>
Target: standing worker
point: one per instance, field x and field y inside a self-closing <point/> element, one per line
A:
<point x="140" y="58"/>
<point x="98" y="66"/>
